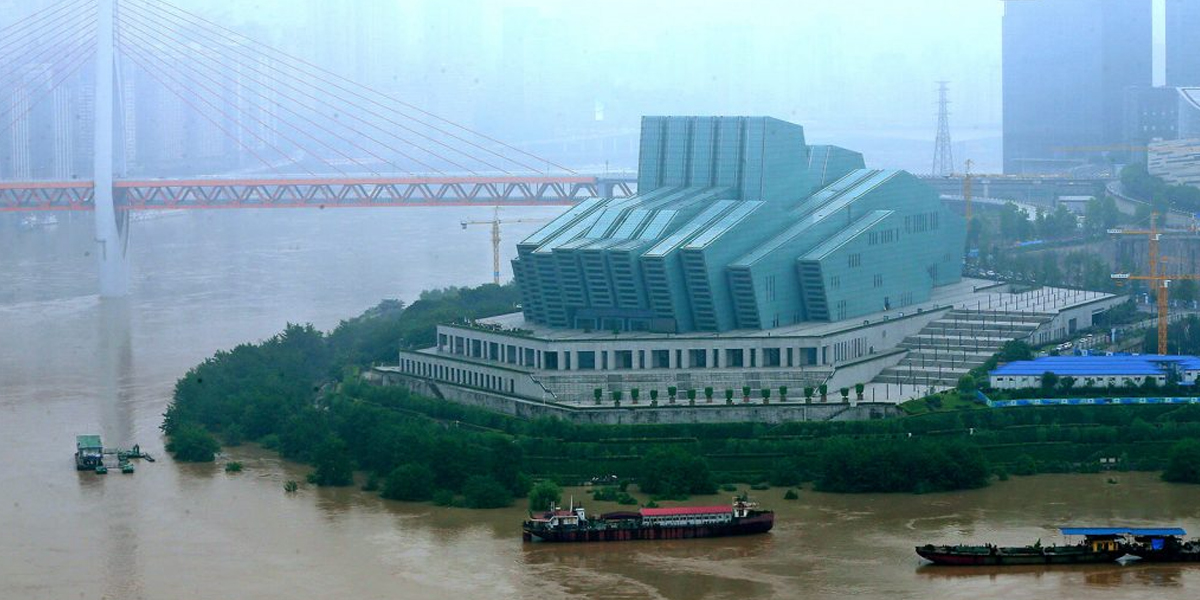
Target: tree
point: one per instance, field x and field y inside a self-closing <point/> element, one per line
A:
<point x="1066" y="383"/>
<point x="1183" y="466"/>
<point x="333" y="466"/>
<point x="824" y="389"/>
<point x="1185" y="291"/>
<point x="783" y="390"/>
<point x="845" y="392"/>
<point x="597" y="393"/>
<point x="193" y="443"/>
<point x="1049" y="380"/>
<point x="672" y="391"/>
<point x="858" y="391"/>
<point x="654" y="397"/>
<point x="691" y="396"/>
<point x="675" y="472"/>
<point x="745" y="393"/>
<point x="545" y="495"/>
<point x="482" y="491"/>
<point x="411" y="482"/>
<point x="766" y="395"/>
<point x="708" y="394"/>
<point x="966" y="384"/>
<point x="728" y="396"/>
<point x="633" y="395"/>
<point x="1014" y="350"/>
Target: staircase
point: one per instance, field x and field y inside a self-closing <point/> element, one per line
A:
<point x="949" y="347"/>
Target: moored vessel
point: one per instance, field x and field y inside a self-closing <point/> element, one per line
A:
<point x="742" y="517"/>
<point x="1163" y="545"/>
<point x="1098" y="546"/>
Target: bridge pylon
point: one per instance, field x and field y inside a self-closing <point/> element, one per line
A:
<point x="111" y="227"/>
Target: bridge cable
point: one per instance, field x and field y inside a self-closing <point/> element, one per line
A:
<point x="219" y="68"/>
<point x="350" y="113"/>
<point x="229" y="134"/>
<point x="193" y="18"/>
<point x="154" y="72"/>
<point x="262" y="59"/>
<point x="31" y="25"/>
<point x="65" y="36"/>
<point x="238" y="88"/>
<point x="79" y="61"/>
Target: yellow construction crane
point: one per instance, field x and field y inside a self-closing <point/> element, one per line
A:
<point x="967" y="191"/>
<point x="496" y="223"/>
<point x="1161" y="280"/>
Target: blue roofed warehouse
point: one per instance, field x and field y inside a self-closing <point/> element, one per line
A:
<point x="1098" y="371"/>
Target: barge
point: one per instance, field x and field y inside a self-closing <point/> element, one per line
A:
<point x="1163" y="545"/>
<point x="742" y="517"/>
<point x="1098" y="546"/>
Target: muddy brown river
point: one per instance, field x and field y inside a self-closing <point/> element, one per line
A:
<point x="70" y="364"/>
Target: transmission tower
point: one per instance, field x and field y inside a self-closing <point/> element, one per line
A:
<point x="943" y="154"/>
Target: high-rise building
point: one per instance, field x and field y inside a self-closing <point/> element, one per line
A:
<point x="1067" y="64"/>
<point x="739" y="224"/>
<point x="1183" y="43"/>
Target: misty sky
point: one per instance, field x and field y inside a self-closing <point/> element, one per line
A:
<point x="837" y="67"/>
<point x="853" y="72"/>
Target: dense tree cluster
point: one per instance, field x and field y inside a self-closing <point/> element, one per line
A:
<point x="1140" y="184"/>
<point x="298" y="393"/>
<point x="1183" y="466"/>
<point x="674" y="472"/>
<point x="849" y="465"/>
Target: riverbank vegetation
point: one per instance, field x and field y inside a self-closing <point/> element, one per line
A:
<point x="299" y="393"/>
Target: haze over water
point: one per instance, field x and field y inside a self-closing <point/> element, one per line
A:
<point x="204" y="281"/>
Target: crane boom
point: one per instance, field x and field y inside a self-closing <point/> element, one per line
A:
<point x="1161" y="280"/>
<point x="496" y="222"/>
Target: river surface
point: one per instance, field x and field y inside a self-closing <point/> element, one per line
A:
<point x="71" y="363"/>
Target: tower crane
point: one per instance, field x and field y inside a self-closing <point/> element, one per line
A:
<point x="496" y="222"/>
<point x="1161" y="280"/>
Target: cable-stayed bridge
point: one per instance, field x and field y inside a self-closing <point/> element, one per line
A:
<point x="303" y="135"/>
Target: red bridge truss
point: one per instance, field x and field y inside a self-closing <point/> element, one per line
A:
<point x="315" y="193"/>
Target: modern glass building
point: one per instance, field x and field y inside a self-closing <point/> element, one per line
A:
<point x="1067" y="64"/>
<point x="739" y="224"/>
<point x="1183" y="43"/>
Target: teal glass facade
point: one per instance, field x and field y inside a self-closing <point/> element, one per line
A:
<point x="739" y="224"/>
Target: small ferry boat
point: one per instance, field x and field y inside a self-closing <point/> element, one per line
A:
<point x="743" y="517"/>
<point x="89" y="452"/>
<point x="33" y="222"/>
<point x="1098" y="546"/>
<point x="1163" y="545"/>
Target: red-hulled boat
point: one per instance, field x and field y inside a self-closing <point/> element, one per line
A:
<point x="1098" y="546"/>
<point x="741" y="518"/>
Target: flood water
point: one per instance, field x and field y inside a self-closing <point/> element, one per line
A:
<point x="70" y="364"/>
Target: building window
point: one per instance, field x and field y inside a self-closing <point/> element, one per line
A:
<point x="878" y="280"/>
<point x="835" y="281"/>
<point x="734" y="357"/>
<point x="855" y="259"/>
<point x="698" y="358"/>
<point x="660" y="359"/>
<point x="771" y="357"/>
<point x="587" y="360"/>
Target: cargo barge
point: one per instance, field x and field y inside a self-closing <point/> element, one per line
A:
<point x="1163" y="545"/>
<point x="743" y="517"/>
<point x="1098" y="546"/>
